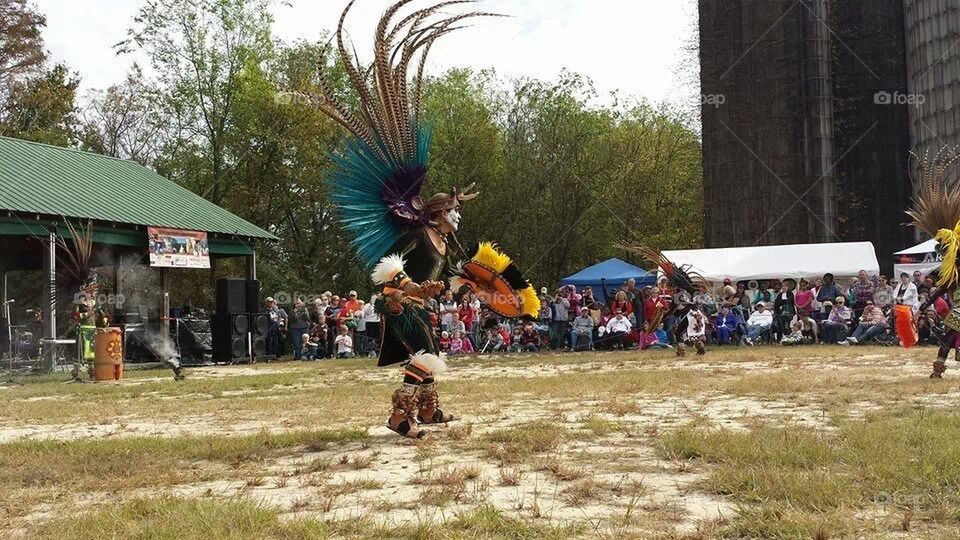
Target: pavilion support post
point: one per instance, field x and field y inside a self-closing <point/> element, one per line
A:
<point x="165" y="304"/>
<point x="50" y="289"/>
<point x="7" y="323"/>
<point x="213" y="278"/>
<point x="252" y="266"/>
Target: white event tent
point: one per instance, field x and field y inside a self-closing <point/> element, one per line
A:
<point x="842" y="259"/>
<point x="922" y="257"/>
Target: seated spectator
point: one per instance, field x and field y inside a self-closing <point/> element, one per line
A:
<point x="515" y="338"/>
<point x="837" y="322"/>
<point x="460" y="344"/>
<point x="445" y="341"/>
<point x="759" y="323"/>
<point x="906" y="293"/>
<point x="872" y="322"/>
<point x="617" y="328"/>
<point x="795" y="337"/>
<point x="344" y="343"/>
<point x="582" y="326"/>
<point x="494" y="340"/>
<point x="808" y="326"/>
<point x="655" y="340"/>
<point x="726" y="325"/>
<point x="308" y="351"/>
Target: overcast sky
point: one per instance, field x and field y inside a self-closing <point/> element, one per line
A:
<point x="635" y="46"/>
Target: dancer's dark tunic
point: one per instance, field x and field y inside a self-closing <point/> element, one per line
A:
<point x="410" y="331"/>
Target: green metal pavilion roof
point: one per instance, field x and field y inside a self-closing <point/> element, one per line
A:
<point x="41" y="179"/>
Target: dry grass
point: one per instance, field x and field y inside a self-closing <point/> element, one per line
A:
<point x="519" y="443"/>
<point x="811" y="480"/>
<point x="133" y="462"/>
<point x="187" y="519"/>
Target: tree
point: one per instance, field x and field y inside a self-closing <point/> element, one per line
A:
<point x="42" y="108"/>
<point x="199" y="49"/>
<point x="21" y="42"/>
<point x="123" y="121"/>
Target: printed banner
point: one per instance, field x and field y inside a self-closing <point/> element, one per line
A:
<point x="173" y="248"/>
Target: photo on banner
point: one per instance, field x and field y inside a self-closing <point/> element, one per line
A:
<point x="174" y="248"/>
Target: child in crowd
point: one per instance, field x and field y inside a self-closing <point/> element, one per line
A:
<point x="308" y="351"/>
<point x="654" y="340"/>
<point x="460" y="344"/>
<point x="516" y="340"/>
<point x="445" y="341"/>
<point x="495" y="340"/>
<point x="318" y="339"/>
<point x="344" y="343"/>
<point x="796" y="334"/>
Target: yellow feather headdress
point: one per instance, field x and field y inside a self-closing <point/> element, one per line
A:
<point x="498" y="282"/>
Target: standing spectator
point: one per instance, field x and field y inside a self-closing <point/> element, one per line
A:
<point x="760" y="322"/>
<point x="360" y="329"/>
<point x="817" y="305"/>
<point x="883" y="295"/>
<point x="863" y="290"/>
<point x="466" y="315"/>
<point x="837" y="322"/>
<point x="331" y="316"/>
<point x="804" y="298"/>
<point x="278" y="325"/>
<point x="558" y="320"/>
<point x="872" y="322"/>
<point x="456" y="324"/>
<point x="917" y="280"/>
<point x="726" y="325"/>
<point x="582" y="326"/>
<point x="299" y="325"/>
<point x="448" y="307"/>
<point x="319" y="307"/>
<point x="351" y="305"/>
<point x="618" y="327"/>
<point x="704" y="300"/>
<point x="344" y="343"/>
<point x="785" y="305"/>
<point x="621" y="303"/>
<point x="926" y="286"/>
<point x="371" y="320"/>
<point x="474" y="327"/>
<point x="829" y="289"/>
<point x="906" y="293"/>
<point x="573" y="297"/>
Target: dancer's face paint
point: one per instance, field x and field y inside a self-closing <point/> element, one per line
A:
<point x="453" y="218"/>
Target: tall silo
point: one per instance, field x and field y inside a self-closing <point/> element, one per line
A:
<point x="933" y="72"/>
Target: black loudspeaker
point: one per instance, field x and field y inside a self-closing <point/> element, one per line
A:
<point x="253" y="301"/>
<point x="259" y="326"/>
<point x="230" y="336"/>
<point x="231" y="295"/>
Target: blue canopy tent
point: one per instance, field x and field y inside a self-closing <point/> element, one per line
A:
<point x="614" y="270"/>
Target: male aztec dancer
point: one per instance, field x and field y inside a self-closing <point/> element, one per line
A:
<point x="936" y="211"/>
<point x="409" y="242"/>
<point x="681" y="285"/>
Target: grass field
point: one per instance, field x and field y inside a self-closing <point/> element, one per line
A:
<point x="805" y="442"/>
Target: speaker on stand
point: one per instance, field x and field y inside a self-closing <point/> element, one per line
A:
<point x="231" y="328"/>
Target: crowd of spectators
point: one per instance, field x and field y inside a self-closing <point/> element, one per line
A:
<point x="777" y="311"/>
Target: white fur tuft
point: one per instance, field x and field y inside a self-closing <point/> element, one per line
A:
<point x="456" y="283"/>
<point x="431" y="362"/>
<point x="387" y="268"/>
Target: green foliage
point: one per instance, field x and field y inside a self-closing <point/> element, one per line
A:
<point x="41" y="108"/>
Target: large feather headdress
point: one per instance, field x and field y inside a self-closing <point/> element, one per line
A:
<point x="936" y="207"/>
<point x="678" y="276"/>
<point x="379" y="173"/>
